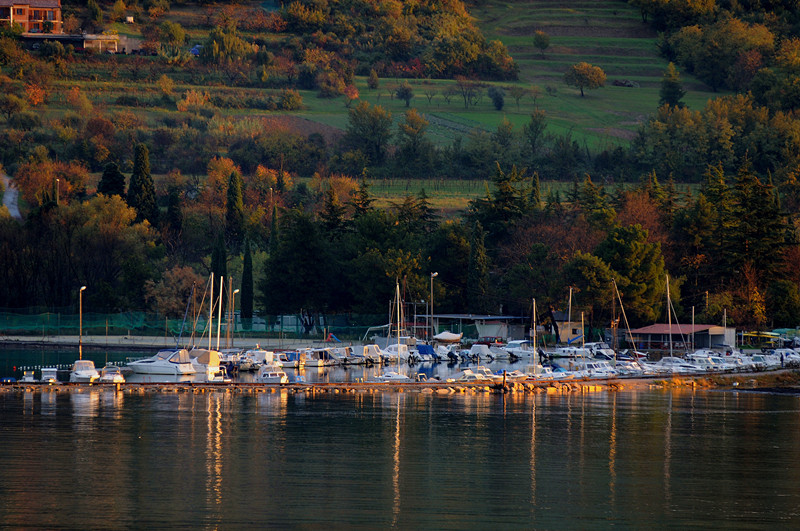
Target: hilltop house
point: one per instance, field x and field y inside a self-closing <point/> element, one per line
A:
<point x="35" y="16"/>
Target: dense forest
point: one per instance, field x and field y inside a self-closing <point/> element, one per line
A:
<point x="290" y="212"/>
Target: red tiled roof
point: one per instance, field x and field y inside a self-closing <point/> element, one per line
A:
<point x="37" y="4"/>
<point x="676" y="329"/>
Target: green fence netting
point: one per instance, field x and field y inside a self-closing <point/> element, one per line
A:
<point x="146" y="324"/>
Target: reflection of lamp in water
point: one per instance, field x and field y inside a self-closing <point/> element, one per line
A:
<point x="80" y="322"/>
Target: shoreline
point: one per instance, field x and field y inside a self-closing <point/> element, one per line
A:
<point x="784" y="381"/>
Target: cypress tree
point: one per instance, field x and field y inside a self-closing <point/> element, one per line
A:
<point x="112" y="182"/>
<point x="142" y="191"/>
<point x="273" y="231"/>
<point x="478" y="271"/>
<point x="219" y="264"/>
<point x="174" y="212"/>
<point x="234" y="212"/>
<point x="536" y="191"/>
<point x="247" y="283"/>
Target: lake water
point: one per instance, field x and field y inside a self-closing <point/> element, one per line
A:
<point x="631" y="459"/>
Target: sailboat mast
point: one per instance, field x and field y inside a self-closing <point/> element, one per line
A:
<point x="569" y="312"/>
<point x="534" y="325"/>
<point x="669" y="317"/>
<point x="219" y="309"/>
<point x="211" y="311"/>
<point x="397" y="299"/>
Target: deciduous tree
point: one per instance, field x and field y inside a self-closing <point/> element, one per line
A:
<point x="585" y="76"/>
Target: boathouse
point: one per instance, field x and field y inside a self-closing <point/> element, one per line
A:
<point x="684" y="337"/>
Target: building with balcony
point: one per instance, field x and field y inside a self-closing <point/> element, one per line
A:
<point x="34" y="16"/>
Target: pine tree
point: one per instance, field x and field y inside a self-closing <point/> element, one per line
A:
<point x="478" y="271"/>
<point x="247" y="283"/>
<point x="234" y="212"/>
<point x="671" y="91"/>
<point x="360" y="199"/>
<point x="141" y="191"/>
<point x="112" y="182"/>
<point x="427" y="216"/>
<point x="332" y="214"/>
<point x="759" y="229"/>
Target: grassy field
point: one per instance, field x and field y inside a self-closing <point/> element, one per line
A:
<point x="607" y="33"/>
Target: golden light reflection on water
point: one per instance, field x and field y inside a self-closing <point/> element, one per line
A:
<point x="668" y="453"/>
<point x="612" y="451"/>
<point x="214" y="452"/>
<point x="533" y="455"/>
<point x="396" y="467"/>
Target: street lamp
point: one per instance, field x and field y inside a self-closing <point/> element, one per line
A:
<point x="232" y="318"/>
<point x="80" y="322"/>
<point x="433" y="275"/>
<point x="58" y="189"/>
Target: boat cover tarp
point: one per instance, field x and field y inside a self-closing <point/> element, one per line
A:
<point x="207" y="357"/>
<point x="426" y="349"/>
<point x="447" y="337"/>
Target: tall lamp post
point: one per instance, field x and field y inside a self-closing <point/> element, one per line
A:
<point x="433" y="275"/>
<point x="80" y="322"/>
<point x="232" y="318"/>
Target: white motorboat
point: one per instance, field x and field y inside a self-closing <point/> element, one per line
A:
<point x="601" y="351"/>
<point x="395" y="353"/>
<point x="111" y="374"/>
<point x="520" y="348"/>
<point x="671" y="364"/>
<point x="83" y="371"/>
<point x="27" y="377"/>
<point x="291" y="359"/>
<point x="168" y="362"/>
<point x="252" y="359"/>
<point x="49" y="375"/>
<point x="320" y="357"/>
<point x="393" y="377"/>
<point x="272" y="374"/>
<point x="485" y="371"/>
<point x="469" y="376"/>
<point x="216" y="375"/>
<point x="372" y="354"/>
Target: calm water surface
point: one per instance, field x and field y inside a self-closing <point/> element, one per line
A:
<point x="646" y="459"/>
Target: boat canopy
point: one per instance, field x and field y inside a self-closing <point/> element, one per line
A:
<point x="206" y="357"/>
<point x="182" y="356"/>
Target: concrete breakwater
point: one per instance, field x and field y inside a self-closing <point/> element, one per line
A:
<point x="784" y="380"/>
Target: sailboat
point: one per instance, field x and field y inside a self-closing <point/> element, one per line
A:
<point x="395" y="376"/>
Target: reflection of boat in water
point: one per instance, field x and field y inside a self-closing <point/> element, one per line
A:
<point x="111" y="374"/>
<point x="83" y="371"/>
<point x="168" y="362"/>
<point x="271" y="374"/>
